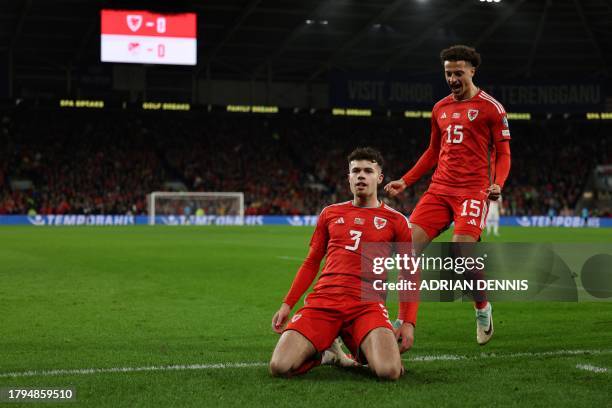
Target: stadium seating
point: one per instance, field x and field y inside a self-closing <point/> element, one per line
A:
<point x="106" y="162"/>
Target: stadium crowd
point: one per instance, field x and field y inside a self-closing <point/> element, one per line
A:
<point x="106" y="163"/>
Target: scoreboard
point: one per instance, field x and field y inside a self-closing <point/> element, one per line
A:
<point x="144" y="37"/>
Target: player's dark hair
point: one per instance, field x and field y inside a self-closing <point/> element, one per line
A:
<point x="366" y="153"/>
<point x="461" y="53"/>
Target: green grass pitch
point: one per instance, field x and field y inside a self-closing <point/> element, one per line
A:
<point x="129" y="297"/>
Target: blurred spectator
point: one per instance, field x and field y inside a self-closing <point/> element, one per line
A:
<point x="107" y="162"/>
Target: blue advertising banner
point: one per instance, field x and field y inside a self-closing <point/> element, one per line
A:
<point x="397" y="91"/>
<point x="251" y="220"/>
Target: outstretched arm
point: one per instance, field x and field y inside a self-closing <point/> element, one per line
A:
<point x="427" y="160"/>
<point x="425" y="163"/>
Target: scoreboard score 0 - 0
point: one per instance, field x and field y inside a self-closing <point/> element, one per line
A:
<point x="145" y="37"/>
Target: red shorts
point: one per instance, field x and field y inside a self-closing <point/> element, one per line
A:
<point x="324" y="317"/>
<point x="435" y="213"/>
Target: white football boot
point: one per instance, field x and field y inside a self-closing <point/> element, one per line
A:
<point x="334" y="355"/>
<point x="484" y="324"/>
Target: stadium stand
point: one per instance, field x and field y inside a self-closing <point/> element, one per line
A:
<point x="58" y="162"/>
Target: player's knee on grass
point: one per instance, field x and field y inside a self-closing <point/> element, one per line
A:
<point x="280" y="367"/>
<point x="382" y="353"/>
<point x="291" y="351"/>
<point x="388" y="370"/>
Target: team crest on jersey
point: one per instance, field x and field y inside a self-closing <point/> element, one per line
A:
<point x="359" y="221"/>
<point x="340" y="220"/>
<point x="379" y="223"/>
<point x="472" y="113"/>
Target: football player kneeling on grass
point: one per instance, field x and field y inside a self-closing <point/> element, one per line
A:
<point x="336" y="306"/>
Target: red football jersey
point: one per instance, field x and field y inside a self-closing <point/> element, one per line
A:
<point x="466" y="132"/>
<point x="341" y="231"/>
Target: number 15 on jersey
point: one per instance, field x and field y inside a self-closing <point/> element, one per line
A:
<point x="454" y="134"/>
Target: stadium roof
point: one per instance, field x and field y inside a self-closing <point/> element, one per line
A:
<point x="303" y="40"/>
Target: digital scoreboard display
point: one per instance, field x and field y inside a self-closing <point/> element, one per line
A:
<point x="144" y="37"/>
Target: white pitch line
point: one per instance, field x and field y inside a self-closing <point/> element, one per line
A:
<point x="482" y="356"/>
<point x="86" y="371"/>
<point x="591" y="368"/>
<point x="416" y="358"/>
<point x="441" y="357"/>
<point x="290" y="258"/>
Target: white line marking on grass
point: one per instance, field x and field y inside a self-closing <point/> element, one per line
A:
<point x="86" y="371"/>
<point x="589" y="367"/>
<point x="416" y="358"/>
<point x="441" y="357"/>
<point x="290" y="258"/>
<point x="451" y="357"/>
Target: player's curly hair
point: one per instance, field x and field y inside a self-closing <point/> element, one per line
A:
<point x="461" y="53"/>
<point x="367" y="153"/>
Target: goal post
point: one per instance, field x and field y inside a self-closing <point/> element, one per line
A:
<point x="192" y="207"/>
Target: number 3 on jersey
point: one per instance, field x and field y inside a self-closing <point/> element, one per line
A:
<point x="457" y="132"/>
<point x="355" y="236"/>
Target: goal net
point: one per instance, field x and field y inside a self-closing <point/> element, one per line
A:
<point x="196" y="208"/>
